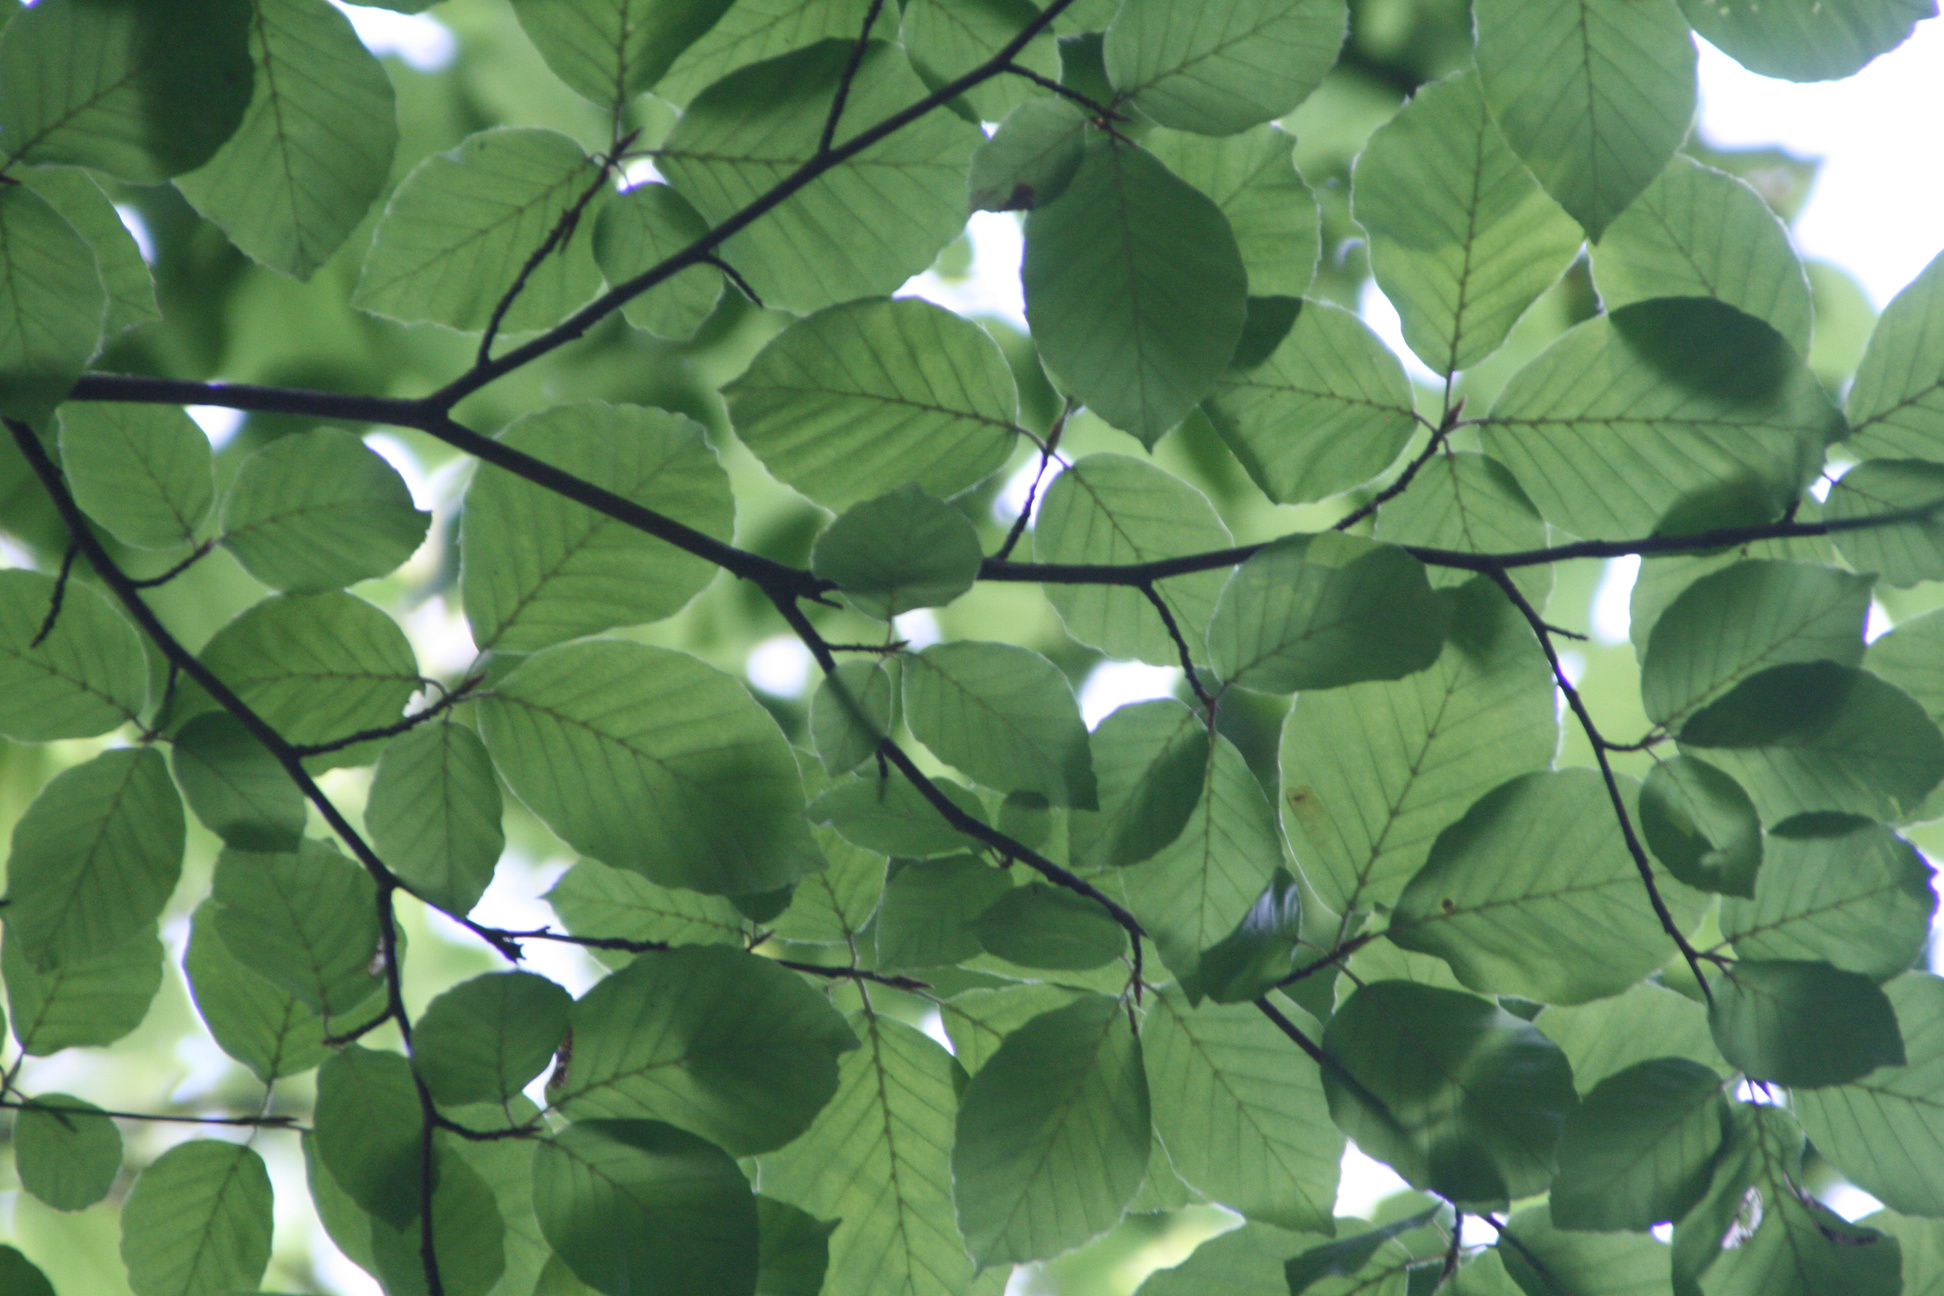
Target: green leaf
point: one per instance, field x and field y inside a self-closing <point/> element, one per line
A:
<point x="1902" y="553"/>
<point x="197" y="1222"/>
<point x="754" y="30"/>
<point x="724" y="1043"/>
<point x="1657" y="404"/>
<point x="636" y="1206"/>
<point x="1533" y="893"/>
<point x="66" y="1151"/>
<point x="468" y="1236"/>
<point x="1349" y="1258"/>
<point x="1462" y="238"/>
<point x="1646" y="1021"/>
<point x="646" y="759"/>
<point x="978" y="1021"/>
<point x="1247" y="1261"/>
<point x="1255" y="957"/>
<point x="1730" y="624"/>
<point x="878" y="1160"/>
<point x="368" y="1125"/>
<point x="1626" y="67"/>
<point x="236" y="787"/>
<point x="1908" y="657"/>
<point x="51" y="299"/>
<point x="306" y="921"/>
<point x="86" y="677"/>
<point x="434" y="814"/>
<point x="1373" y="772"/>
<point x="1237" y="1124"/>
<point x="1848" y="892"/>
<point x="1004" y="715"/>
<point x="1699" y="232"/>
<point x="1662" y="580"/>
<point x="1200" y="887"/>
<point x="1456" y="1094"/>
<point x="636" y="231"/>
<point x="595" y="900"/>
<point x="1896" y="405"/>
<point x="1641" y="1147"/>
<point x="891" y="817"/>
<point x="864" y="397"/>
<point x="948" y="38"/>
<point x="1802" y="40"/>
<point x="795" y="1250"/>
<point x="255" y="1021"/>
<point x="541" y="569"/>
<point x="1701" y="826"/>
<point x="1803" y="1024"/>
<point x="1468" y="502"/>
<point x="94" y="858"/>
<point x="1546" y="1260"/>
<point x="1135" y="289"/>
<point x="1322" y="611"/>
<point x="315" y="147"/>
<point x="320" y="510"/>
<point x="1329" y="409"/>
<point x="1819" y="736"/>
<point x="140" y="91"/>
<point x="316" y="667"/>
<point x="19" y="1275"/>
<point x="1053" y="1135"/>
<point x="927" y="915"/>
<point x="1042" y="926"/>
<point x="1223" y="66"/>
<point x="1111" y="510"/>
<point x="897" y="552"/>
<point x="73" y="193"/>
<point x="1254" y="180"/>
<point x="1884" y="1129"/>
<point x="93" y="1002"/>
<point x="852" y="711"/>
<point x="612" y="50"/>
<point x="1030" y="160"/>
<point x="745" y="133"/>
<point x="1923" y="1260"/>
<point x="1150" y="758"/>
<point x="460" y="228"/>
<point x="833" y="905"/>
<point x="484" y="1039"/>
<point x="142" y="471"/>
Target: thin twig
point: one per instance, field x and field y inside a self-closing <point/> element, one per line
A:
<point x="631" y="946"/>
<point x="858" y="47"/>
<point x="471" y="1135"/>
<point x="55" y="599"/>
<point x="1330" y="960"/>
<point x="428" y="1186"/>
<point x="1181" y="648"/>
<point x="734" y="276"/>
<point x="453" y="697"/>
<point x="1094" y="107"/>
<point x="1405" y="478"/>
<point x="168" y="1118"/>
<point x="1047" y="447"/>
<point x="357" y="1033"/>
<point x="196" y="555"/>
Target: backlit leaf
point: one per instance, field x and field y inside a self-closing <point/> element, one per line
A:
<point x="51" y="299"/>
<point x="434" y="814"/>
<point x="320" y="510"/>
<point x="254" y="1020"/>
<point x="1226" y="65"/>
<point x="1004" y="715"/>
<point x="66" y="1151"/>
<point x="85" y="678"/>
<point x="1639" y="1148"/>
<point x="1253" y="179"/>
<point x="197" y="1222"/>
<point x="236" y="787"/>
<point x="484" y="1039"/>
<point x="1701" y="826"/>
<point x="637" y="230"/>
<point x="1902" y="553"/>
<point x="305" y="920"/>
<point x="1803" y="1024"/>
<point x="142" y="471"/>
<point x="897" y="552"/>
<point x="93" y="1002"/>
<point x="612" y="50"/>
<point x="1896" y="405"/>
<point x="368" y="1125"/>
<point x="1806" y="40"/>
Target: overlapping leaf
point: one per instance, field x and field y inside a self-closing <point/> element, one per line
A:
<point x="320" y="510"/>
<point x="612" y="50"/>
<point x="51" y="302"/>
<point x="1004" y="715"/>
<point x="86" y="677"/>
<point x="1226" y="65"/>
<point x="1253" y="179"/>
<point x="1896" y="405"/>
<point x="92" y="1002"/>
<point x="142" y="471"/>
<point x="1850" y="893"/>
<point x="198" y="1221"/>
<point x="1806" y="40"/>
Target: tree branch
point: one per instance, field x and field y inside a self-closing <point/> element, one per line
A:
<point x="837" y="99"/>
<point x="1404" y="479"/>
<point x="55" y="599"/>
<point x="1181" y="648"/>
<point x="167" y="1118"/>
<point x="452" y="699"/>
<point x="1047" y="447"/>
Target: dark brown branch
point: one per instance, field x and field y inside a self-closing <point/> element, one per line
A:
<point x="1181" y="648"/>
<point x="1327" y="1061"/>
<point x="357" y="1033"/>
<point x="842" y="94"/>
<point x="452" y="699"/>
<point x="735" y="277"/>
<point x="1095" y="109"/>
<point x="472" y="1135"/>
<point x="1047" y="447"/>
<point x="55" y="599"/>
<point x="631" y="946"/>
<point x="196" y="555"/>
<point x="1330" y="960"/>
<point x="257" y="1122"/>
<point x="1405" y="478"/>
<point x="428" y="1185"/>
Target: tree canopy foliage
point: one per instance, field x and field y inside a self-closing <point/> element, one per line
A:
<point x="567" y="377"/>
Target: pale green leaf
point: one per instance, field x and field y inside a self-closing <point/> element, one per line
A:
<point x="1113" y="510"/>
<point x="1639" y="1149"/>
<point x="1470" y="503"/>
<point x="1903" y="553"/>
<point x="90" y="1003"/>
<point x="1247" y="1261"/>
<point x="612" y="50"/>
<point x="94" y="858"/>
<point x="434" y="814"/>
<point x="1004" y="715"/>
<point x="1922" y="1242"/>
<point x="1030" y="159"/>
<point x="140" y="91"/>
<point x="306" y="921"/>
<point x="1150" y="758"/>
<point x="1329" y="409"/>
<point x="1462" y="238"/>
<point x="1371" y="1262"/>
<point x="833" y="905"/>
<point x="1802" y="1024"/>
<point x="197" y="1222"/>
<point x="890" y="816"/>
<point x="1322" y="611"/>
<point x="468" y="1237"/>
<point x="1848" y="892"/>
<point x="1223" y="66"/>
<point x="1052" y="1136"/>
<point x="66" y="1151"/>
<point x="313" y="150"/>
<point x="1806" y="40"/>
<point x="1657" y="405"/>
<point x="52" y="303"/>
<point x="897" y="552"/>
<point x="646" y="759"/>
<point x="460" y="228"/>
<point x="745" y="133"/>
<point x="255" y="1021"/>
<point x="1534" y="893"/>
<point x="595" y="900"/>
<point x="1238" y="1124"/>
<point x="1253" y="179"/>
<point x="142" y="471"/>
<point x="719" y="1041"/>
<point x="1373" y="772"/>
<point x="1546" y="1260"/>
<point x="236" y="787"/>
<point x="1254" y="958"/>
<point x="636" y="231"/>
<point x="1595" y="95"/>
<point x="1911" y="658"/>
<point x="320" y="510"/>
<point x="73" y="193"/>
<point x="1699" y="232"/>
<point x="484" y="1039"/>
<point x="978" y="1021"/>
<point x="948" y="38"/>
<point x="1661" y="580"/>
<point x="86" y="677"/>
<point x="926" y="916"/>
<point x="1896" y="405"/>
<point x="1044" y="926"/>
<point x="754" y="30"/>
<point x="1646" y="1021"/>
<point x="1135" y="289"/>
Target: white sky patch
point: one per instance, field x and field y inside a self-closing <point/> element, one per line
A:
<point x="1612" y="612"/>
<point x="420" y="40"/>
<point x="1875" y="204"/>
<point x="780" y="666"/>
<point x="1113" y="685"/>
<point x="640" y="171"/>
<point x="1364" y="1182"/>
<point x="1384" y="321"/>
<point x="991" y="286"/>
<point x="918" y="629"/>
<point x="218" y="424"/>
<point x="399" y="455"/>
<point x="1877" y="624"/>
<point x="138" y="230"/>
<point x="1851" y="1202"/>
